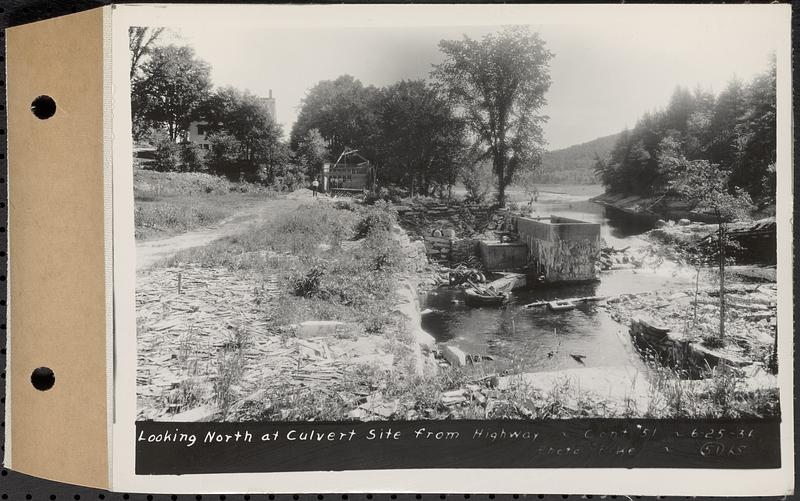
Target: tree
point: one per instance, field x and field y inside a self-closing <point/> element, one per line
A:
<point x="173" y="85"/>
<point x="728" y="111"/>
<point x="706" y="185"/>
<point x="736" y="130"/>
<point x="499" y="83"/>
<point x="191" y="157"/>
<point x="756" y="137"/>
<point x="247" y="134"/>
<point x="343" y="111"/>
<point x="312" y="152"/>
<point x="476" y="175"/>
<point x="421" y="142"/>
<point x="141" y="41"/>
<point x="167" y="154"/>
<point x="223" y="156"/>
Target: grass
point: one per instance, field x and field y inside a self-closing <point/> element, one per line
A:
<point x="718" y="393"/>
<point x="328" y="275"/>
<point x="168" y="203"/>
<point x="149" y="185"/>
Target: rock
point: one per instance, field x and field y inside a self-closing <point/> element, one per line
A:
<point x="449" y="233"/>
<point x="454" y="393"/>
<point x="359" y="414"/>
<point x="320" y="328"/>
<point x="454" y="355"/>
<point x="437" y="233"/>
<point x="424" y="339"/>
<point x="202" y="414"/>
<point x="660" y="223"/>
<point x="375" y="404"/>
<point x="455" y="400"/>
<point x="684" y="222"/>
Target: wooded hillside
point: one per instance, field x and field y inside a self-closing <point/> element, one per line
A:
<point x="734" y="132"/>
<point x="575" y="164"/>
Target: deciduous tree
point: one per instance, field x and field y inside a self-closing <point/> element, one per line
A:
<point x="499" y="84"/>
<point x="141" y="41"/>
<point x="421" y="143"/>
<point x="706" y="185"/>
<point x="343" y="111"/>
<point x="173" y="84"/>
<point x="312" y="152"/>
<point x="257" y="143"/>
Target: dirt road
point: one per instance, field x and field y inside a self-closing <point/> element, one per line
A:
<point x="152" y="251"/>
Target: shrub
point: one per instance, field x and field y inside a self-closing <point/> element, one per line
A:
<point x="478" y="181"/>
<point x="713" y="342"/>
<point x="191" y="157"/>
<point x="380" y="219"/>
<point x="309" y="284"/>
<point x="167" y="156"/>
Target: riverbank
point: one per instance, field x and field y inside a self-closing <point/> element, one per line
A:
<point x="302" y="316"/>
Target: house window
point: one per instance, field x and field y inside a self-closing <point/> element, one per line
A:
<point x="201" y="129"/>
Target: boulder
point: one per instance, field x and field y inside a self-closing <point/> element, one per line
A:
<point x="454" y="355"/>
<point x="424" y="339"/>
<point x="320" y="328"/>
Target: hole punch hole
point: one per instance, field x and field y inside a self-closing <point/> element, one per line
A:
<point x="43" y="379"/>
<point x="43" y="107"/>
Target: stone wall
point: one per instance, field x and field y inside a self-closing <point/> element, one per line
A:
<point x="690" y="358"/>
<point x="462" y="249"/>
<point x="451" y="250"/>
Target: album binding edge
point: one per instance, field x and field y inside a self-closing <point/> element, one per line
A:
<point x="58" y="317"/>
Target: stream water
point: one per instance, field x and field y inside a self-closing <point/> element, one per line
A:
<point x="536" y="339"/>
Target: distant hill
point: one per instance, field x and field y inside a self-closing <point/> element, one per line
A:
<point x="575" y="164"/>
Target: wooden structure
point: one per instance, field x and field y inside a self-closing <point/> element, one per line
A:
<point x="351" y="173"/>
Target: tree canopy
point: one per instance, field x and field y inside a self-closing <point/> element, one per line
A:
<point x="421" y="142"/>
<point x="141" y="42"/>
<point x="244" y="136"/>
<point x="171" y="89"/>
<point x="343" y="111"/>
<point x="498" y="85"/>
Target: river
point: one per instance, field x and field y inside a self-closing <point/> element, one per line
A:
<point x="536" y="339"/>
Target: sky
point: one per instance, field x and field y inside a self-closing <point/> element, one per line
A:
<point x="605" y="75"/>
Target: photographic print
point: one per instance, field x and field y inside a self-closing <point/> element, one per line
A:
<point x="448" y="233"/>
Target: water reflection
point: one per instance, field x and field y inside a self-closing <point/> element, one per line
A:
<point x="529" y="339"/>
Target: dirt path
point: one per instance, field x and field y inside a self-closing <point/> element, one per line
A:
<point x="152" y="251"/>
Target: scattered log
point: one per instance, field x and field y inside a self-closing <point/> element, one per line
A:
<point x="584" y="299"/>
